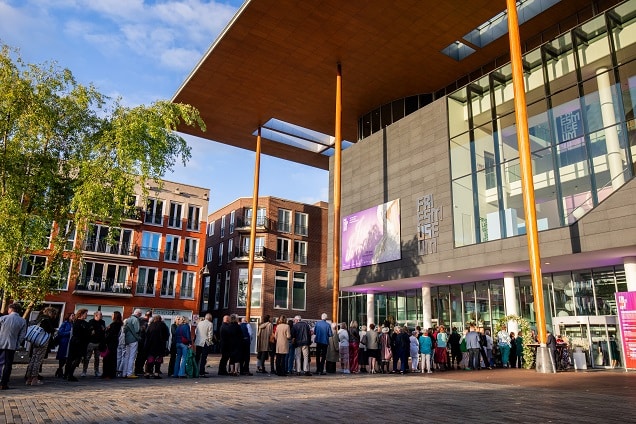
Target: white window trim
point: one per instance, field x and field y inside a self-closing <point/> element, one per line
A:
<point x="154" y="283"/>
<point x="174" y="286"/>
<point x="288" y="249"/>
<point x="185" y="274"/>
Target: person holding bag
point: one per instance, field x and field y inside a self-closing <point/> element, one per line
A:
<point x="184" y="341"/>
<point x="45" y="321"/>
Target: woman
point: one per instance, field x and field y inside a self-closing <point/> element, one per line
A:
<point x="373" y="347"/>
<point x="363" y="355"/>
<point x="354" y="346"/>
<point x="78" y="344"/>
<point x="184" y="341"/>
<point x="513" y="350"/>
<point x="263" y="335"/>
<point x="426" y="350"/>
<point x="112" y="342"/>
<point x="45" y="321"/>
<point x="157" y="335"/>
<point x="386" y="354"/>
<point x="343" y="348"/>
<point x="519" y="349"/>
<point x="441" y="355"/>
<point x="63" y="337"/>
<point x="503" y="344"/>
<point x="332" y="350"/>
<point x="414" y="351"/>
<point x="463" y="364"/>
<point x="282" y="336"/>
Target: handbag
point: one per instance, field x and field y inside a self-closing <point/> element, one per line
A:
<point x="37" y="336"/>
<point x="104" y="352"/>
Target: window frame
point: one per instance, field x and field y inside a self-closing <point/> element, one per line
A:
<point x="177" y="209"/>
<point x="191" y="244"/>
<point x="304" y="282"/>
<point x="284" y="221"/>
<point x="301" y="260"/>
<point x="299" y="229"/>
<point x="191" y="282"/>
<point x="154" y="282"/>
<point x="166" y="272"/>
<point x="278" y="278"/>
<point x="194" y="218"/>
<point x="154" y="213"/>
<point x="174" y="253"/>
<point x="280" y="254"/>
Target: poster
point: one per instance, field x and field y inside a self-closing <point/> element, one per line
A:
<point x="371" y="236"/>
<point x="626" y="305"/>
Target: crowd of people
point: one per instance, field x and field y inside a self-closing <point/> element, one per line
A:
<point x="136" y="347"/>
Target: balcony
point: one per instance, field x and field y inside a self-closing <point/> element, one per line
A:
<point x="243" y="254"/>
<point x="102" y="246"/>
<point x="149" y="253"/>
<point x="105" y="287"/>
<point x="244" y="225"/>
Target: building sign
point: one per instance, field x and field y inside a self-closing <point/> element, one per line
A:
<point x="428" y="219"/>
<point x="569" y="126"/>
<point x="626" y="305"/>
<point x="371" y="236"/>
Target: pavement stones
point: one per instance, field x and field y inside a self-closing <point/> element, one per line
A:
<point x="488" y="396"/>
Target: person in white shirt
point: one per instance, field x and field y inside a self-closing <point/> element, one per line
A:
<point x="203" y="343"/>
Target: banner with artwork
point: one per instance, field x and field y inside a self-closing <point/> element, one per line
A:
<point x="371" y="236"/>
<point x="626" y="305"/>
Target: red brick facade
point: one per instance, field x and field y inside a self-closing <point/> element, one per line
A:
<point x="270" y="259"/>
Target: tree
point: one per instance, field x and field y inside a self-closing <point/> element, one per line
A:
<point x="68" y="152"/>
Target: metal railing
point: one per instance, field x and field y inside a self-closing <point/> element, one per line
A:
<point x="102" y="246"/>
<point x="104" y="285"/>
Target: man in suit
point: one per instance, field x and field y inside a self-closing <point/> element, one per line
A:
<point x="12" y="332"/>
<point x="225" y="336"/>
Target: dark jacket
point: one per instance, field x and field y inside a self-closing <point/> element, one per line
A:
<point x="80" y="339"/>
<point x="63" y="338"/>
<point x="157" y="335"/>
<point x="98" y="330"/>
<point x="301" y="334"/>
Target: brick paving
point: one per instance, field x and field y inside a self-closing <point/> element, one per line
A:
<point x="487" y="396"/>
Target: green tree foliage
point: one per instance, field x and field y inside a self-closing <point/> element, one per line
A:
<point x="69" y="152"/>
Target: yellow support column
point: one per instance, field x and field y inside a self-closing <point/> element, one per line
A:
<point x="336" y="196"/>
<point x="250" y="264"/>
<point x="544" y="363"/>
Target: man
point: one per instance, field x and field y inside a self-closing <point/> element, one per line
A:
<point x="454" y="340"/>
<point x="301" y="337"/>
<point x="225" y="338"/>
<point x="483" y="344"/>
<point x="142" y="354"/>
<point x="552" y="344"/>
<point x="246" y="343"/>
<point x="323" y="333"/>
<point x="473" y="346"/>
<point x="132" y="337"/>
<point x="12" y="332"/>
<point x="97" y="339"/>
<point x="203" y="343"/>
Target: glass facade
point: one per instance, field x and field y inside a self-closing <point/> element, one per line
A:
<point x="588" y="292"/>
<point x="580" y="90"/>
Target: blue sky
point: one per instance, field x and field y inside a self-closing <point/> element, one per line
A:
<point x="141" y="51"/>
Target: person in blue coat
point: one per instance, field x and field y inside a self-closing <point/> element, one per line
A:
<point x="63" y="337"/>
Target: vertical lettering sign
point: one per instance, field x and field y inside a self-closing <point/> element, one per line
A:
<point x="428" y="219"/>
<point x="569" y="126"/>
<point x="626" y="305"/>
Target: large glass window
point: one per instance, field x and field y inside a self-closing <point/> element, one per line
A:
<point x="61" y="274"/>
<point x="281" y="289"/>
<point x="32" y="265"/>
<point x="168" y="282"/>
<point x="186" y="291"/>
<point x="300" y="252"/>
<point x="171" y="253"/>
<point x="150" y="243"/>
<point x="146" y="281"/>
<point x="257" y="282"/>
<point x="284" y="221"/>
<point x="154" y="212"/>
<point x="226" y="290"/>
<point x="194" y="217"/>
<point x="191" y="251"/>
<point x="174" y="218"/>
<point x="282" y="250"/>
<point x="299" y="291"/>
<point x="301" y="223"/>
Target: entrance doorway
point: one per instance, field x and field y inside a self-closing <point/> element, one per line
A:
<point x="595" y="337"/>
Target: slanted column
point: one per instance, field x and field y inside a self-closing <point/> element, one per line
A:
<point x="336" y="194"/>
<point x="427" y="307"/>
<point x="250" y="264"/>
<point x="630" y="273"/>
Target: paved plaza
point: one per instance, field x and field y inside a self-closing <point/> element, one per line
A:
<point x="488" y="396"/>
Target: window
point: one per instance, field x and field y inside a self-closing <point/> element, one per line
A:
<point x="282" y="250"/>
<point x="217" y="291"/>
<point x="69" y="234"/>
<point x="146" y="281"/>
<point x="299" y="291"/>
<point x="194" y="213"/>
<point x="232" y="217"/>
<point x="150" y="245"/>
<point x="208" y="256"/>
<point x="187" y="285"/>
<point x="171" y="253"/>
<point x="221" y="253"/>
<point x="191" y="251"/>
<point x="61" y="274"/>
<point x="261" y="217"/>
<point x="46" y="241"/>
<point x="284" y="221"/>
<point x="300" y="252"/>
<point x="226" y="293"/>
<point x="301" y="224"/>
<point x="32" y="265"/>
<point x="281" y="290"/>
<point x="154" y="212"/>
<point x="105" y="239"/>
<point x="211" y="228"/>
<point x="230" y="252"/>
<point x="174" y="219"/>
<point x="205" y="296"/>
<point x="489" y="164"/>
<point x="257" y="279"/>
<point x="259" y="247"/>
<point x="103" y="277"/>
<point x="222" y="234"/>
<point x="167" y="282"/>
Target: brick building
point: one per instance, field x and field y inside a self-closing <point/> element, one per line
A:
<point x="154" y="262"/>
<point x="289" y="259"/>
